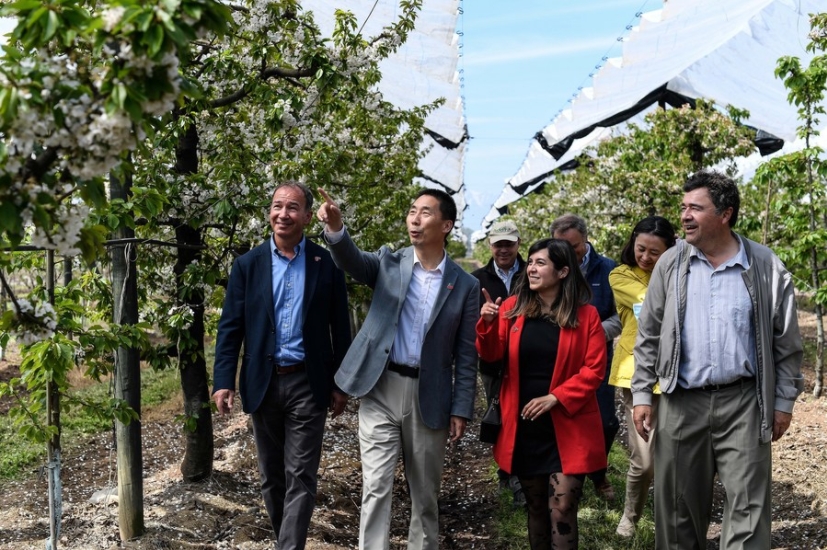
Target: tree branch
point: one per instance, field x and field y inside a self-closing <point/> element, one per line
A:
<point x="266" y="74"/>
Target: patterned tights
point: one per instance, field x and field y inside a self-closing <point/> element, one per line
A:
<point x="552" y="503"/>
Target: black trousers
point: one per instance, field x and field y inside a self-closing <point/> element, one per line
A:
<point x="288" y="429"/>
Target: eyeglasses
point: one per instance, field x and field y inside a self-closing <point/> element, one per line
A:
<point x="504" y="244"/>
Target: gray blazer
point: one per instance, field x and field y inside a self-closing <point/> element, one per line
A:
<point x="449" y="336"/>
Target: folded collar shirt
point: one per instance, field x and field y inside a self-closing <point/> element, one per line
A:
<point x="288" y="276"/>
<point x="416" y="312"/>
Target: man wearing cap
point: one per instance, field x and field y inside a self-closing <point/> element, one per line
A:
<point x="499" y="277"/>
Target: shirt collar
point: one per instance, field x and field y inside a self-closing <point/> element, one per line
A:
<point x="512" y="269"/>
<point x="299" y="249"/>
<point x="440" y="267"/>
<point x="740" y="257"/>
<point x="584" y="265"/>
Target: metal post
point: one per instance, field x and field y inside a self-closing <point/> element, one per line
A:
<point x="53" y="419"/>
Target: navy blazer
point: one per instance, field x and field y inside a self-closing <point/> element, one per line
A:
<point x="450" y="335"/>
<point x="248" y="318"/>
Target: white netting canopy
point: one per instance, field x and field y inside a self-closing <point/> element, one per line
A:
<point x="424" y="69"/>
<point x="723" y="50"/>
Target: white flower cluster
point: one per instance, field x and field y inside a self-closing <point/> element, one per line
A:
<point x="90" y="141"/>
<point x="111" y="17"/>
<point x="34" y="322"/>
<point x="64" y="237"/>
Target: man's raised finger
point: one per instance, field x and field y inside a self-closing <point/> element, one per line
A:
<point x="327" y="198"/>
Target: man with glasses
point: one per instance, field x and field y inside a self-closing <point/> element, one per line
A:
<point x="499" y="277"/>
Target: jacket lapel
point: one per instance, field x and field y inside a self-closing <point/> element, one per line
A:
<point x="563" y="351"/>
<point x="312" y="264"/>
<point x="264" y="267"/>
<point x="406" y="264"/>
<point x="449" y="279"/>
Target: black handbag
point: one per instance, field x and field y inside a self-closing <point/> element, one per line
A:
<point x="492" y="420"/>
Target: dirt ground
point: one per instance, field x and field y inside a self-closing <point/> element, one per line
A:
<point x="225" y="512"/>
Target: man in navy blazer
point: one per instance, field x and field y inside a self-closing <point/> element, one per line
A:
<point x="413" y="363"/>
<point x="286" y="302"/>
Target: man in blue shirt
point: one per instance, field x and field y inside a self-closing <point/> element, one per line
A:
<point x="413" y="363"/>
<point x="719" y="332"/>
<point x="286" y="302"/>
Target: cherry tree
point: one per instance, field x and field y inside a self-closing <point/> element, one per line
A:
<point x="190" y="112"/>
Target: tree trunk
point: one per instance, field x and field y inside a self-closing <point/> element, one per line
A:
<point x="819" y="368"/>
<point x="127" y="377"/>
<point x="198" y="456"/>
<point x="3" y="299"/>
<point x="814" y="267"/>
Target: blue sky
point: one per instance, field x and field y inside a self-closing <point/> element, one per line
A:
<point x="521" y="63"/>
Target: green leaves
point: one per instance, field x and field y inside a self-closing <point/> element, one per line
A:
<point x="637" y="174"/>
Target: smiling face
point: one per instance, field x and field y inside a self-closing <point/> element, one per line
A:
<point x="543" y="275"/>
<point x="426" y="228"/>
<point x="648" y="249"/>
<point x="576" y="240"/>
<point x="505" y="253"/>
<point x="289" y="215"/>
<point x="701" y="224"/>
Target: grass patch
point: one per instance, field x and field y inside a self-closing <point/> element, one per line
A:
<point x="17" y="453"/>
<point x="597" y="519"/>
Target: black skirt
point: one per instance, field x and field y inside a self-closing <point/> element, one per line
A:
<point x="535" y="449"/>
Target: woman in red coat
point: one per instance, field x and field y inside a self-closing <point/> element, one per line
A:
<point x="555" y="351"/>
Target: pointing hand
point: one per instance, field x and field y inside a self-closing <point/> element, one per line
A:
<point x="329" y="213"/>
<point x="490" y="308"/>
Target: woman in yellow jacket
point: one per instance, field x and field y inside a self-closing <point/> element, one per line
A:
<point x="650" y="238"/>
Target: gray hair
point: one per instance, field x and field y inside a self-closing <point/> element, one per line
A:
<point x="569" y="221"/>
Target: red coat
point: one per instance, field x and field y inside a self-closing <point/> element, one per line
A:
<point x="578" y="371"/>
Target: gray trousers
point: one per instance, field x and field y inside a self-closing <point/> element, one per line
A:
<point x="699" y="434"/>
<point x="288" y="429"/>
<point x="390" y="421"/>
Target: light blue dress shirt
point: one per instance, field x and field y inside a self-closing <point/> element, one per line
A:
<point x="717" y="335"/>
<point x="416" y="312"/>
<point x="507" y="277"/>
<point x="288" y="276"/>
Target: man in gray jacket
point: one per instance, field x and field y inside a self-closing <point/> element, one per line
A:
<point x="413" y="363"/>
<point x="719" y="332"/>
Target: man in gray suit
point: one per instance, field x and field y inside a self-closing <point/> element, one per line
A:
<point x="421" y="322"/>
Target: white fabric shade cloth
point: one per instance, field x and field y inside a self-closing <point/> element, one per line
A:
<point x="423" y="70"/>
<point x="721" y="50"/>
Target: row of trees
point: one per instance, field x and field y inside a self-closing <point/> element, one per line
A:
<point x="146" y="136"/>
<point x="640" y="172"/>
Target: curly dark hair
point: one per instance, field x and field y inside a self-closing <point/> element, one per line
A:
<point x="722" y="190"/>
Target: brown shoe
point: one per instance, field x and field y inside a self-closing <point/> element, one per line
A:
<point x="606" y="491"/>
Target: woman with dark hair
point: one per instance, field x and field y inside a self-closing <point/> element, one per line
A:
<point x="650" y="238"/>
<point x="555" y="355"/>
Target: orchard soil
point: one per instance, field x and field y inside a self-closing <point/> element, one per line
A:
<point x="226" y="512"/>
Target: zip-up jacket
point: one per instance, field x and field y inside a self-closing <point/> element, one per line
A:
<point x="491" y="282"/>
<point x="779" y="352"/>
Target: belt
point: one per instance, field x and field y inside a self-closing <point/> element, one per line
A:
<point x="719" y="387"/>
<point x="404" y="370"/>
<point x="289" y="369"/>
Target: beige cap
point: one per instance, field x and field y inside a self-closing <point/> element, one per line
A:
<point x="504" y="231"/>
